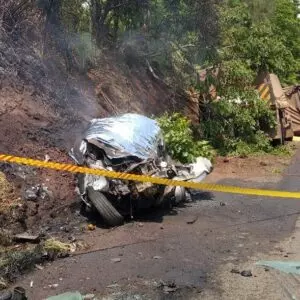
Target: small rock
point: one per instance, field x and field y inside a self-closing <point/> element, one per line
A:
<point x="262" y="163"/>
<point x="112" y="286"/>
<point x="39" y="267"/>
<point x="235" y="271"/>
<point x="168" y="289"/>
<point x="116" y="260"/>
<point x="25" y="237"/>
<point x="31" y="284"/>
<point x="161" y="227"/>
<point x="222" y="204"/>
<point x="32" y="193"/>
<point x="246" y="273"/>
<point x="192" y="220"/>
<point x="89" y="296"/>
<point x="226" y="160"/>
<point x="47" y="158"/>
<point x="141" y="224"/>
<point x="72" y="239"/>
<point x="157" y="257"/>
<point x="286" y="255"/>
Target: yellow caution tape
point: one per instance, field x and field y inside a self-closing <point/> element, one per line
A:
<point x="142" y="178"/>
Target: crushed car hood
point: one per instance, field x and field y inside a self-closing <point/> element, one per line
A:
<point x="125" y="135"/>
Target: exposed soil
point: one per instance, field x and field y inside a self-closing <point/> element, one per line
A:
<point x="263" y="168"/>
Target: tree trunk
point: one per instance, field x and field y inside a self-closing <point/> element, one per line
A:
<point x="54" y="26"/>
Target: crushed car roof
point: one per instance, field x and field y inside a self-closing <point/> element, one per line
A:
<point x="124" y="135"/>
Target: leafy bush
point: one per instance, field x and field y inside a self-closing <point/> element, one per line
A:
<point x="239" y="127"/>
<point x="180" y="141"/>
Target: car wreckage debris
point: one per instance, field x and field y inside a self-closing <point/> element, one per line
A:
<point x="130" y="143"/>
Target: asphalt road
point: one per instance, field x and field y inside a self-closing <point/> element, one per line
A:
<point x="184" y="247"/>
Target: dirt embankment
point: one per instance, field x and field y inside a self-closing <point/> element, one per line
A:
<point x="44" y="107"/>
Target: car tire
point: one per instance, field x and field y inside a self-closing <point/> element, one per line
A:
<point x="107" y="211"/>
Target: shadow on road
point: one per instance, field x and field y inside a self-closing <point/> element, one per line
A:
<point x="155" y="215"/>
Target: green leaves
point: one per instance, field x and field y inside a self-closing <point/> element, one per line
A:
<point x="255" y="37"/>
<point x="180" y="141"/>
<point x="238" y="127"/>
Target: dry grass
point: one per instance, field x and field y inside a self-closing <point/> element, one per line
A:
<point x="56" y="246"/>
<point x="7" y="196"/>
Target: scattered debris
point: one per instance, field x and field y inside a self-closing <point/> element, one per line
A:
<point x="132" y="151"/>
<point x="116" y="260"/>
<point x="246" y="273"/>
<point x="168" y="287"/>
<point x="36" y="193"/>
<point x="39" y="267"/>
<point x="25" y="237"/>
<point x="89" y="297"/>
<point x="112" y="286"/>
<point x="192" y="220"/>
<point x="91" y="227"/>
<point x="32" y="193"/>
<point x="72" y="239"/>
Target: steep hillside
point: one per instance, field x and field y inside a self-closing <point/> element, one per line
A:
<point x="44" y="107"/>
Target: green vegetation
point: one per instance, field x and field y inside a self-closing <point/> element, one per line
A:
<point x="241" y="37"/>
<point x="179" y="139"/>
<point x="238" y="127"/>
<point x="179" y="39"/>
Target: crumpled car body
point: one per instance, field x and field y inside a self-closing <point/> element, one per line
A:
<point x="130" y="143"/>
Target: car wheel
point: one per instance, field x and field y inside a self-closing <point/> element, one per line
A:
<point x="107" y="211"/>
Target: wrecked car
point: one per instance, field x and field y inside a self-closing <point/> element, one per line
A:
<point x="130" y="143"/>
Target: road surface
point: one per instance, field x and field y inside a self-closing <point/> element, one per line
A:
<point x="177" y="255"/>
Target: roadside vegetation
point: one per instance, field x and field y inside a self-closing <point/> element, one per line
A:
<point x="176" y="40"/>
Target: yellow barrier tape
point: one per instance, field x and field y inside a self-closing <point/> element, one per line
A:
<point x="142" y="178"/>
